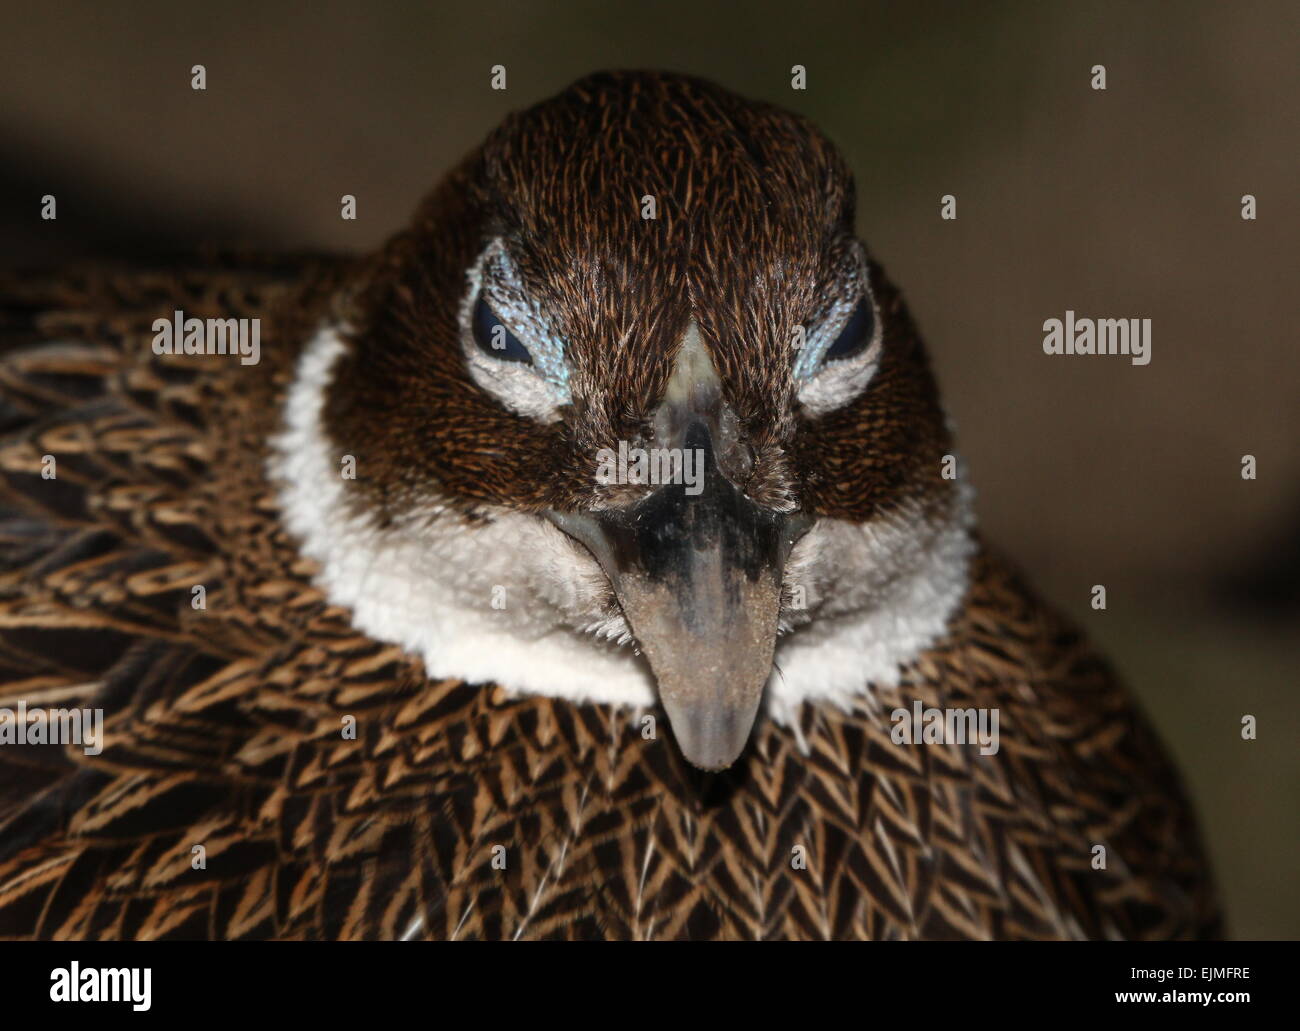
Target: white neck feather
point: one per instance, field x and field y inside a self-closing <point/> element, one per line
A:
<point x="878" y="594"/>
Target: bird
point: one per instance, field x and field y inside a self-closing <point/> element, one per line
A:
<point x="561" y="570"/>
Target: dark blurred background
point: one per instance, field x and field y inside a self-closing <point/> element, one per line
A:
<point x="1122" y="203"/>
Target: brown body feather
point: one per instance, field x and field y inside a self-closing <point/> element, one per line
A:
<point x="223" y="724"/>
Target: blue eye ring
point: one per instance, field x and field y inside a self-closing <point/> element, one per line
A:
<point x="494" y="338"/>
<point x="856" y="336"/>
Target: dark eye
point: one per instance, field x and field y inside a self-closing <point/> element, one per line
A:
<point x="856" y="335"/>
<point x="493" y="338"/>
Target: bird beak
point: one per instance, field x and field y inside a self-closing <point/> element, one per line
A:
<point x="697" y="568"/>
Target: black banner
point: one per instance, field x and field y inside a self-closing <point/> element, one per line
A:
<point x="1223" y="981"/>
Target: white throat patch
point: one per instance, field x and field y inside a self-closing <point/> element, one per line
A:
<point x="511" y="601"/>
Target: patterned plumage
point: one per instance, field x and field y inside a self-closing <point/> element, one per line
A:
<point x="223" y="723"/>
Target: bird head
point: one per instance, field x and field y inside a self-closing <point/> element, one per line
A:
<point x="631" y="358"/>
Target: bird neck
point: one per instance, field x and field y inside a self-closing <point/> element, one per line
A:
<point x="510" y="600"/>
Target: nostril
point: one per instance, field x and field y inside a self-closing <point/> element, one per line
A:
<point x="737" y="463"/>
<point x="735" y="457"/>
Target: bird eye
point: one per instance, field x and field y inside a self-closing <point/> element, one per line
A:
<point x="494" y="339"/>
<point x="856" y="335"/>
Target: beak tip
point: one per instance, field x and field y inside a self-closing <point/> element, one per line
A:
<point x="711" y="739"/>
<point x="709" y="761"/>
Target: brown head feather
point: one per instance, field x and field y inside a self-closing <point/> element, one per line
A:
<point x="754" y="221"/>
